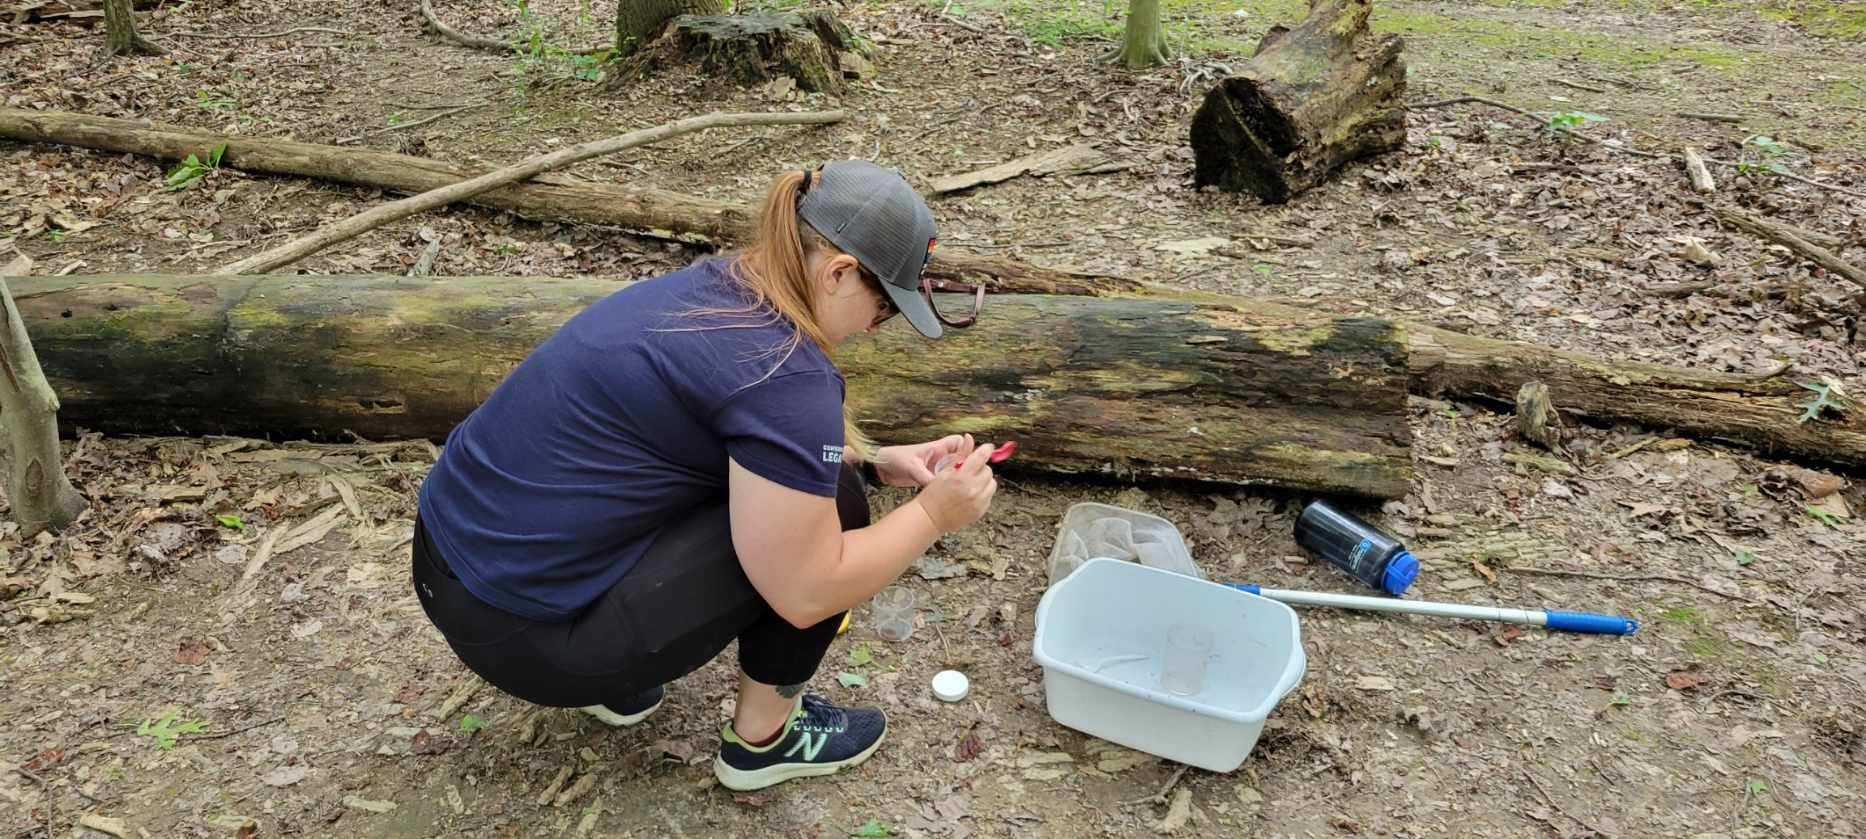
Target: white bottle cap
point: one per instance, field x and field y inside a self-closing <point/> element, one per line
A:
<point x="951" y="685"/>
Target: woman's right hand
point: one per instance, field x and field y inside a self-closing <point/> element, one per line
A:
<point x="959" y="495"/>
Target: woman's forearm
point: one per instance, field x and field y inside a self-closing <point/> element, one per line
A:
<point x="870" y="558"/>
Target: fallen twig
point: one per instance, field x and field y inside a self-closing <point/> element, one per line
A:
<point x="460" y="697"/>
<point x="1793" y="239"/>
<point x="424" y="264"/>
<point x="1459" y="100"/>
<point x="241" y="730"/>
<point x="1557" y="805"/>
<point x="1731" y="118"/>
<point x="259" y="560"/>
<point x="214" y="36"/>
<point x="425" y="120"/>
<point x="51" y="800"/>
<point x="1667" y="578"/>
<point x="369" y="219"/>
<point x="1579" y="86"/>
<point x="478" y="42"/>
<point x="1160" y="797"/>
<point x="1700" y="174"/>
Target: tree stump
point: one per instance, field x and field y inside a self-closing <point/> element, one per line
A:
<point x="1313" y="99"/>
<point x="813" y="49"/>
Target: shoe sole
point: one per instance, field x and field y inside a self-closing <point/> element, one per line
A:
<point x="612" y="718"/>
<point x="747" y="780"/>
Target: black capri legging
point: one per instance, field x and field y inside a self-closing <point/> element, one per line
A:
<point x="677" y="608"/>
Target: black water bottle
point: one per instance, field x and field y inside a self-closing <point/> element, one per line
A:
<point x="1354" y="546"/>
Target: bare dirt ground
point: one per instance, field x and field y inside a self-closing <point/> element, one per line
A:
<point x="1736" y="711"/>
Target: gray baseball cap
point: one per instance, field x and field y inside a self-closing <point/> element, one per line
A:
<point x="874" y="215"/>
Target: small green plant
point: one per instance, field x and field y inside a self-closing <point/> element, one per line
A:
<point x="471" y="723"/>
<point x="1826" y="518"/>
<point x="1770" y="155"/>
<point x="164" y="730"/>
<point x="859" y="656"/>
<point x="208" y="100"/>
<point x="192" y="169"/>
<point x="1621" y="699"/>
<point x="1744" y="556"/>
<point x="231" y="521"/>
<point x="1680" y="614"/>
<point x="872" y="829"/>
<point x="1562" y="121"/>
<point x="1755" y="788"/>
<point x="55" y="235"/>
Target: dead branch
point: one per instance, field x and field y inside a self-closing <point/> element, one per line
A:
<point x="1065" y="160"/>
<point x="478" y="42"/>
<point x="1557" y="805"/>
<point x="1160" y="797"/>
<point x="1579" y="86"/>
<point x="215" y="36"/>
<point x="1794" y="239"/>
<point x="1662" y="578"/>
<point x="1730" y="118"/>
<point x="550" y="197"/>
<point x="377" y="216"/>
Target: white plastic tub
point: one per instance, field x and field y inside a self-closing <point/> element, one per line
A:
<point x="1099" y="636"/>
<point x="1139" y="537"/>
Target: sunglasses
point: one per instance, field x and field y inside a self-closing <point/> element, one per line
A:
<point x="927" y="287"/>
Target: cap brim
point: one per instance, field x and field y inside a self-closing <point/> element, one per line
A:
<point x="915" y="308"/>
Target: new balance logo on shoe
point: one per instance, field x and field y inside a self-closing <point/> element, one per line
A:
<point x="807" y="746"/>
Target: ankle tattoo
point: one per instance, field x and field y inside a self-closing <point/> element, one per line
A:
<point x="790" y="691"/>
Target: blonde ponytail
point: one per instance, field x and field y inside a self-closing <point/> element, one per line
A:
<point x="775" y="269"/>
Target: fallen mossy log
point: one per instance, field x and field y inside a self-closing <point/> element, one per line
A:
<point x="1761" y="411"/>
<point x="1135" y="387"/>
<point x="548" y="197"/>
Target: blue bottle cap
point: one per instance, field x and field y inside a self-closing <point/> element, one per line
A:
<point x="1400" y="572"/>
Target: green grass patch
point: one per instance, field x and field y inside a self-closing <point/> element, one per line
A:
<point x="1830" y="19"/>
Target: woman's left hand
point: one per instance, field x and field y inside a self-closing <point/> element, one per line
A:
<point x="909" y="466"/>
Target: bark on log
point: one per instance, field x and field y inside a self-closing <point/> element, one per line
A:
<point x="544" y="197"/>
<point x="1133" y="387"/>
<point x="1313" y="99"/>
<point x="1756" y="411"/>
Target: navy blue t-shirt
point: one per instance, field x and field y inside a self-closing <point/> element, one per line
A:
<point x="549" y="491"/>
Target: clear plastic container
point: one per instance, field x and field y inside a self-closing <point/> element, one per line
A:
<point x="894" y="611"/>
<point x="1090" y="530"/>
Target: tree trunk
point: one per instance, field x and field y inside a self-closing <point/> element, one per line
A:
<point x="752" y="49"/>
<point x="41" y="495"/>
<point x="546" y="197"/>
<point x="1130" y="387"/>
<point x="1313" y="99"/>
<point x="640" y="21"/>
<point x="1143" y="43"/>
<point x="120" y="36"/>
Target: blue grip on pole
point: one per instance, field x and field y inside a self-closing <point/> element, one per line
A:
<point x="1590" y="622"/>
<point x="1258" y="590"/>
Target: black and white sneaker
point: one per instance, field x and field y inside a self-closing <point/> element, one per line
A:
<point x="820" y="739"/>
<point x="630" y="712"/>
